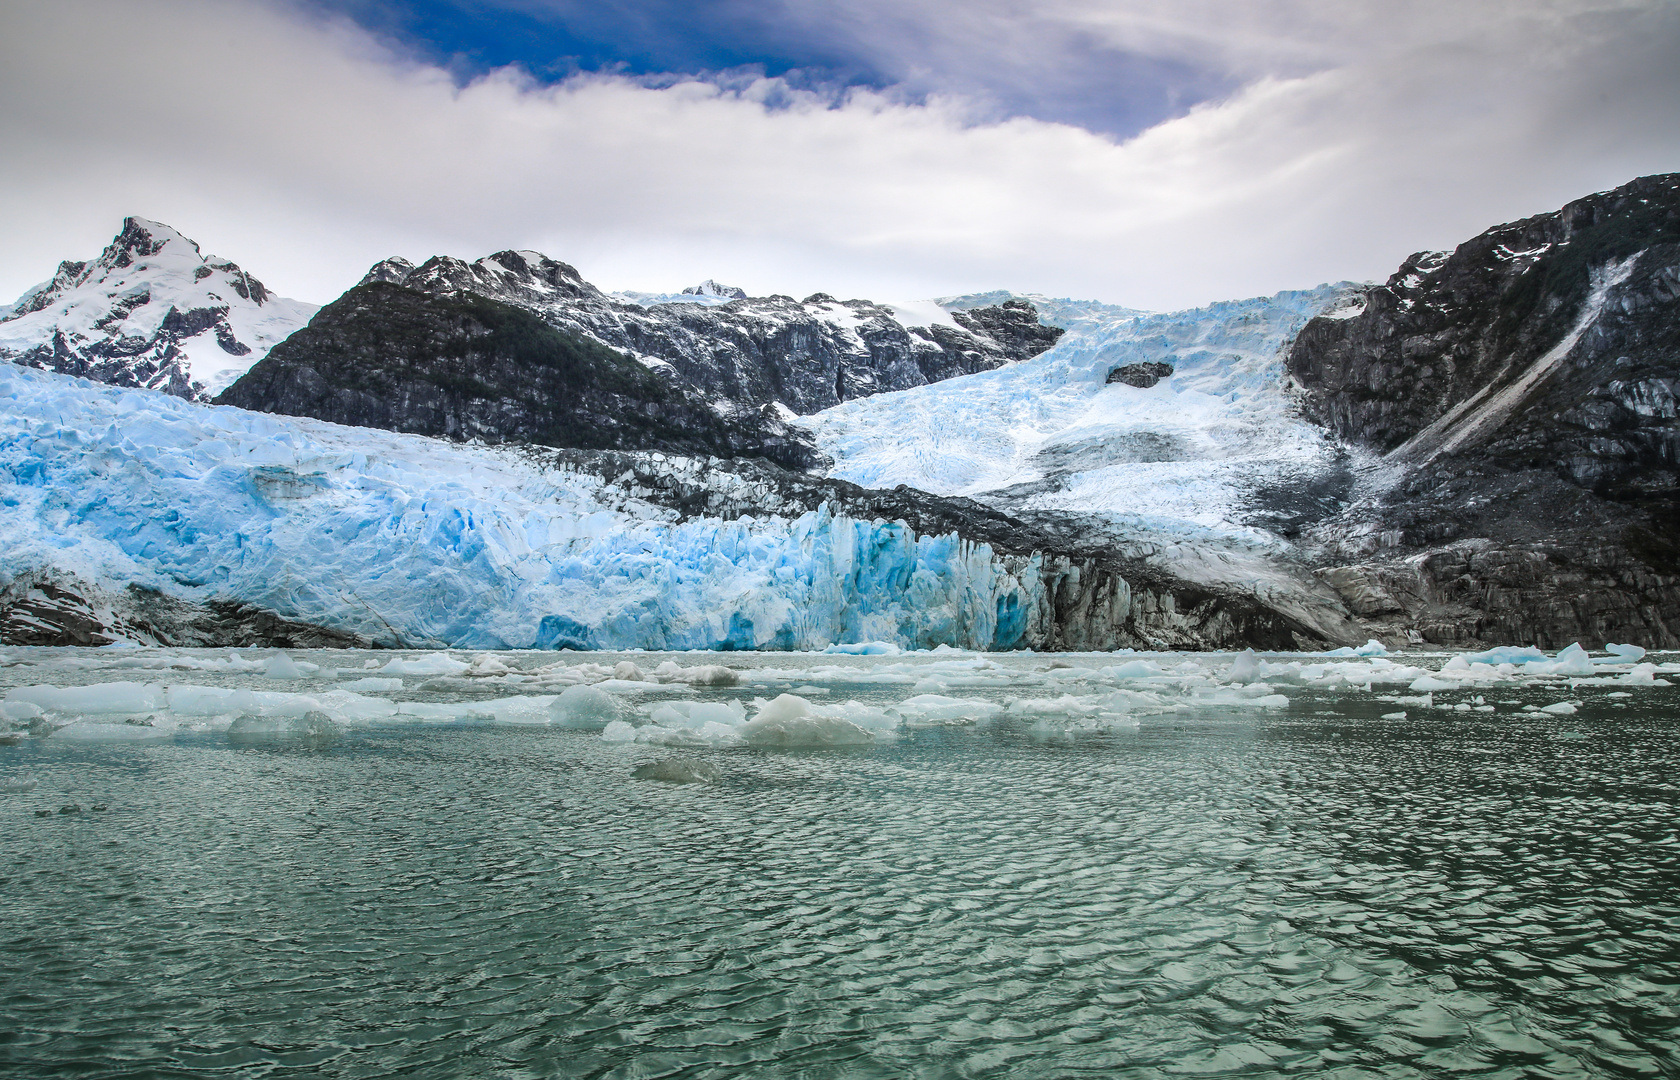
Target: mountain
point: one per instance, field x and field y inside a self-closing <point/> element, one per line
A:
<point x="458" y="365"/>
<point x="1523" y="393"/>
<point x="517" y="346"/>
<point x="806" y="354"/>
<point x="150" y="311"/>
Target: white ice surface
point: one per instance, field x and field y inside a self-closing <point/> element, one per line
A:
<point x="1171" y="460"/>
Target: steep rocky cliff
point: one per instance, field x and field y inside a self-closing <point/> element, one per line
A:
<point x="150" y="311"/>
<point x="1523" y="393"/>
<point x="806" y="354"/>
<point x="461" y="366"/>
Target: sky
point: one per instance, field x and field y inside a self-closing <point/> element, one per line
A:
<point x="1153" y="153"/>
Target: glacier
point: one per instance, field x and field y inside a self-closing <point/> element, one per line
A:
<point x="409" y="541"/>
<point x="1049" y="433"/>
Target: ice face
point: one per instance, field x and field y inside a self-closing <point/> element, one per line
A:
<point x="416" y="542"/>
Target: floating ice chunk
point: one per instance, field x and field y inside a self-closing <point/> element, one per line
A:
<point x="486" y="665"/>
<point x="1245" y="668"/>
<point x="1623" y="654"/>
<point x="1372" y="647"/>
<point x="697" y="714"/>
<point x="1640" y="675"/>
<point x="95" y="731"/>
<point x="373" y="686"/>
<point x="1428" y="684"/>
<point x="1137" y="669"/>
<point x="19" y="710"/>
<point x="679" y="771"/>
<point x="928" y="710"/>
<point x="805" y="731"/>
<point x="1394" y="715"/>
<point x="710" y="733"/>
<point x="311" y="729"/>
<point x="619" y="731"/>
<point x="866" y="648"/>
<point x="789" y="721"/>
<point x="584" y="707"/>
<point x="282" y="667"/>
<point x="18" y="785"/>
<point x="97" y="698"/>
<point x="1559" y="708"/>
<point x="434" y="664"/>
<point x="704" y="675"/>
<point x="1573" y="661"/>
<point x="1506" y="654"/>
<point x="628" y="671"/>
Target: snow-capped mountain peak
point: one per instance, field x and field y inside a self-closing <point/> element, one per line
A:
<point x="712" y="288"/>
<point x="151" y="310"/>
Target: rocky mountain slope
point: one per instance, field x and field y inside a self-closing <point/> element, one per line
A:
<point x="460" y="366"/>
<point x="1523" y="391"/>
<point x="806" y="354"/>
<point x="151" y="310"/>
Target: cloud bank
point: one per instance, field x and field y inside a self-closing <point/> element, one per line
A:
<point x="306" y="148"/>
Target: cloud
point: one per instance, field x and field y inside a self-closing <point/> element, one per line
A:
<point x="306" y="149"/>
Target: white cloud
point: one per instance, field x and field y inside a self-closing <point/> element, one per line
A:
<point x="306" y="152"/>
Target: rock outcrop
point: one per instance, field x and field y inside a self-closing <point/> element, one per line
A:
<point x="1523" y="392"/>
<point x="461" y="366"/>
<point x="806" y="355"/>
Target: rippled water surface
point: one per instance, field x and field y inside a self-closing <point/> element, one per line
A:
<point x="1303" y="890"/>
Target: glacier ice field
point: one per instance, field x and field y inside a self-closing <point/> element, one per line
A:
<point x="413" y="541"/>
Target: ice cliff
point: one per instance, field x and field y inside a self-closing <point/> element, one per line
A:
<point x="147" y="508"/>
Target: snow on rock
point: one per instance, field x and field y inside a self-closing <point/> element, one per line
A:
<point x="415" y="542"/>
<point x="150" y="311"/>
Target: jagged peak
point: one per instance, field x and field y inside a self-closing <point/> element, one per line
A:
<point x="141" y="238"/>
<point x="395" y="270"/>
<point x="710" y="287"/>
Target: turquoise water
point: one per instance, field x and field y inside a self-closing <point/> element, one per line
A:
<point x="1310" y="890"/>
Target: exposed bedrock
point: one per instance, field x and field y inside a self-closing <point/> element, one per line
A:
<point x="1522" y="394"/>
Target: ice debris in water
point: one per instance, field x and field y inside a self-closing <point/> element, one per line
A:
<point x="790" y="721"/>
<point x="311" y="729"/>
<point x="678" y="770"/>
<point x="283" y="667"/>
<point x="584" y="707"/>
<point x="17" y="785"/>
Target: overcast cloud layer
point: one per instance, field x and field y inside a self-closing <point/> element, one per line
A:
<point x="1330" y="141"/>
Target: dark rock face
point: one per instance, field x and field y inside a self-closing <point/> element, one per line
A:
<point x="1524" y="390"/>
<point x="460" y="366"/>
<point x="807" y="355"/>
<point x="58" y="611"/>
<point x="1142" y="375"/>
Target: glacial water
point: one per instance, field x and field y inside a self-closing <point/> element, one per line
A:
<point x="1040" y="866"/>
